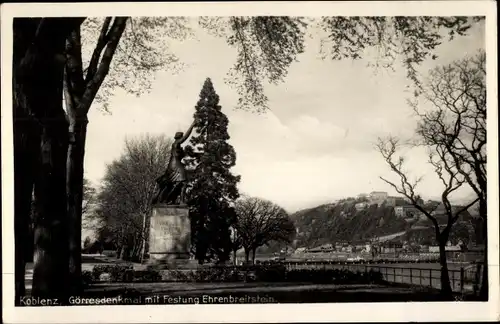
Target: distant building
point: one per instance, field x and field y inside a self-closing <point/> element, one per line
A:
<point x="433" y="249"/>
<point x="424" y="248"/>
<point x="449" y="248"/>
<point x="453" y="248"/>
<point x="360" y="247"/>
<point x="327" y="246"/>
<point x="407" y="211"/>
<point x="361" y="206"/>
<point x="378" y="195"/>
<point x="387" y="249"/>
<point x="391" y="201"/>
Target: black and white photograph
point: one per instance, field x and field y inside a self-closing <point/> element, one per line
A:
<point x="164" y="156"/>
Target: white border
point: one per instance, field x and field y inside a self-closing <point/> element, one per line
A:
<point x="251" y="313"/>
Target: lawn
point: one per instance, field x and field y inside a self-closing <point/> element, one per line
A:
<point x="265" y="292"/>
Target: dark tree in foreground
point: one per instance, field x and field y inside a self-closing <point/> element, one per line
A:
<point x="451" y="180"/>
<point x="455" y="127"/>
<point x="212" y="187"/>
<point x="260" y="221"/>
<point x="124" y="201"/>
<point x="40" y="148"/>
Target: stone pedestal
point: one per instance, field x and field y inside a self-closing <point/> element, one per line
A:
<point x="170" y="237"/>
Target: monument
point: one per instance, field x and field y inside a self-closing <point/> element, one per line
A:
<point x="170" y="227"/>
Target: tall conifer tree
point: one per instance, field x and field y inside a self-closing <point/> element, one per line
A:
<point x="212" y="187"/>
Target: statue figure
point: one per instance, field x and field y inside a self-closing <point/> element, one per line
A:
<point x="173" y="182"/>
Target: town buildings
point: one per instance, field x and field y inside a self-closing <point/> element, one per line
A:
<point x="361" y="206"/>
<point x="378" y="197"/>
<point x="407" y="211"/>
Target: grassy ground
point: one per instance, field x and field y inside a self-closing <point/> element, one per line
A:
<point x="266" y="292"/>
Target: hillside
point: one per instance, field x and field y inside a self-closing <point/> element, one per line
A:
<point x="342" y="222"/>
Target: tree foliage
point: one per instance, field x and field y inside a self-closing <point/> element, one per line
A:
<point x="89" y="196"/>
<point x="212" y="187"/>
<point x="261" y="221"/>
<point x="268" y="45"/>
<point x="142" y="50"/>
<point x="124" y="201"/>
<point x="408" y="39"/>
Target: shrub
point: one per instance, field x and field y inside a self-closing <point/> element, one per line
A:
<point x="270" y="272"/>
<point x="117" y="272"/>
<point x="375" y="276"/>
<point x="261" y="272"/>
<point x="218" y="274"/>
<point x="87" y="278"/>
<point x="333" y="276"/>
<point x="145" y="275"/>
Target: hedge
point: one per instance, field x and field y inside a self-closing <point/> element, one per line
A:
<point x="260" y="273"/>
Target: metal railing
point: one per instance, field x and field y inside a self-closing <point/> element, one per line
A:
<point x="465" y="279"/>
<point x="455" y="256"/>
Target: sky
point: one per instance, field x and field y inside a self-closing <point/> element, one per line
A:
<point x="316" y="142"/>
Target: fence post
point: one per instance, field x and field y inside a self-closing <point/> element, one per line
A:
<point x="430" y="278"/>
<point x="452" y="280"/>
<point x="411" y="276"/>
<point x="420" y="276"/>
<point x="477" y="278"/>
<point x="462" y="280"/>
<point x="394" y="273"/>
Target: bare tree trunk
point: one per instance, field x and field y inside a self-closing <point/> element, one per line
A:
<point x="26" y="148"/>
<point x="234" y="256"/>
<point x="74" y="166"/>
<point x="123" y="252"/>
<point x="135" y="250"/>
<point x="122" y="242"/>
<point x="253" y="255"/>
<point x="143" y="237"/>
<point x="26" y="144"/>
<point x="247" y="255"/>
<point x="73" y="90"/>
<point x="445" y="276"/>
<point x="484" y="291"/>
<point x="51" y="259"/>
